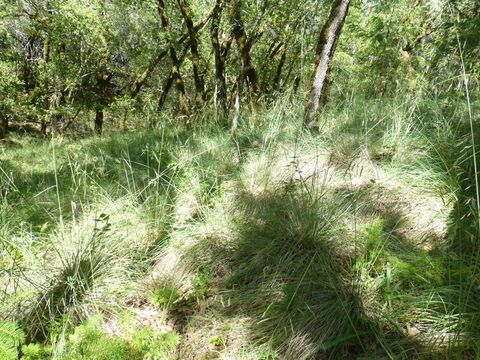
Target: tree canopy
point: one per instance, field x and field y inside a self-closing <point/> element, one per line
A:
<point x="75" y="61"/>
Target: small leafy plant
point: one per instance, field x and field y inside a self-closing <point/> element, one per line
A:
<point x="166" y="296"/>
<point x="36" y="351"/>
<point x="89" y="342"/>
<point x="11" y="337"/>
<point x="154" y="345"/>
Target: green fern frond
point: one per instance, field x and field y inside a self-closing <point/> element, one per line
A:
<point x="10" y="339"/>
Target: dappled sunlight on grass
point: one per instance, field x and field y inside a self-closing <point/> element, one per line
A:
<point x="271" y="242"/>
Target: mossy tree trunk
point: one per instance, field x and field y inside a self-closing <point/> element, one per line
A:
<point x="220" y="52"/>
<point x="177" y="78"/>
<point x="193" y="43"/>
<point x="249" y="74"/>
<point x="327" y="43"/>
<point x="281" y="64"/>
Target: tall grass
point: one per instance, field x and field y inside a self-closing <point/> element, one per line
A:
<point x="275" y="242"/>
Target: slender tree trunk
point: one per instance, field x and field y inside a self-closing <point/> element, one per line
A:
<point x="3" y="125"/>
<point x="237" y="105"/>
<point x="179" y="84"/>
<point x="405" y="54"/>
<point x="137" y="85"/>
<point x="244" y="46"/>
<point x="274" y="49"/>
<point x="197" y="75"/>
<point x="325" y="50"/>
<point x="103" y="83"/>
<point x="45" y="83"/>
<point x="220" y="53"/>
<point x="140" y="80"/>
<point x="281" y="63"/>
<point x="99" y="120"/>
<point x="165" y="91"/>
<point x="101" y="101"/>
<point x="28" y="76"/>
<point x="247" y="70"/>
<point x="169" y="82"/>
<point x="407" y="60"/>
<point x="103" y="77"/>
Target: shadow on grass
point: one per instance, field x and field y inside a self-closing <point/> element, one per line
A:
<point x="288" y="271"/>
<point x="457" y="162"/>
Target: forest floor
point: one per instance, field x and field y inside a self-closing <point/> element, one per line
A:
<point x="270" y="243"/>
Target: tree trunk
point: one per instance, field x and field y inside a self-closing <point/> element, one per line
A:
<point x="123" y="121"/>
<point x="244" y="46"/>
<point x="220" y="53"/>
<point x="45" y="84"/>
<point x="407" y="60"/>
<point x="278" y="73"/>
<point x="3" y="125"/>
<point x="142" y="78"/>
<point x="103" y="77"/>
<point x="237" y="105"/>
<point x="136" y="86"/>
<point x="28" y="74"/>
<point x="325" y="50"/>
<point x="99" y="121"/>
<point x="179" y="84"/>
<point x="197" y="75"/>
<point x="165" y="90"/>
<point x="169" y="82"/>
<point x="102" y="84"/>
<point x="405" y="54"/>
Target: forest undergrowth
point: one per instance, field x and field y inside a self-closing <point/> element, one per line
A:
<point x="358" y="241"/>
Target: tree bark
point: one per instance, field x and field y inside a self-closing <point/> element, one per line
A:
<point x="405" y="54"/>
<point x="169" y="83"/>
<point x="142" y="78"/>
<point x="98" y="120"/>
<point x="3" y="125"/>
<point x="103" y="77"/>
<point x="179" y="84"/>
<point x="197" y="75"/>
<point x="244" y="45"/>
<point x="28" y="74"/>
<point x="236" y="116"/>
<point x="278" y="73"/>
<point x="220" y="53"/>
<point x="165" y="91"/>
<point x="45" y="83"/>
<point x="327" y="43"/>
